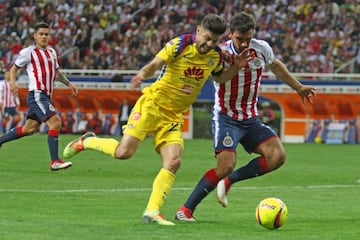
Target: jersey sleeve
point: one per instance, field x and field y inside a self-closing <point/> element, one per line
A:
<point x="167" y="53"/>
<point x="23" y="58"/>
<point x="269" y="53"/>
<point x="175" y="46"/>
<point x="53" y="52"/>
<point x="220" y="66"/>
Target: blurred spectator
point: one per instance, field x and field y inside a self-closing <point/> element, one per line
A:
<point x="124" y="113"/>
<point x="95" y="124"/>
<point x="108" y="124"/>
<point x="139" y="28"/>
<point x="67" y="122"/>
<point x="81" y="123"/>
<point x="267" y="114"/>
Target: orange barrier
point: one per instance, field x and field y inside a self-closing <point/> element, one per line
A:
<point x="88" y="100"/>
<point x="105" y="101"/>
<point x="296" y="117"/>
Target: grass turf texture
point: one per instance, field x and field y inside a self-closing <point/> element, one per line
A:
<point x="103" y="198"/>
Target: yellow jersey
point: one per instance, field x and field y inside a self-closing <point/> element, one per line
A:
<point x="183" y="75"/>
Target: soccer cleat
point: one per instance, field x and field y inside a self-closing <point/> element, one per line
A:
<point x="76" y="145"/>
<point x="156" y="217"/>
<point x="221" y="193"/>
<point x="59" y="165"/>
<point x="184" y="214"/>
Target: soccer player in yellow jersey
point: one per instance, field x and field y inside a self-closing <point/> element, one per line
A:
<point x="186" y="62"/>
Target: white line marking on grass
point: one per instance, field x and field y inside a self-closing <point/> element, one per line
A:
<point x="174" y="189"/>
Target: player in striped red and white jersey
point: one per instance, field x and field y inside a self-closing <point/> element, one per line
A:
<point x="8" y="103"/>
<point x="235" y="117"/>
<point x="42" y="67"/>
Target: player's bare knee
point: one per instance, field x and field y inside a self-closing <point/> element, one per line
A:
<point x="224" y="168"/>
<point x="55" y="125"/>
<point x="29" y="131"/>
<point x="172" y="165"/>
<point x="281" y="158"/>
<point x="123" y="155"/>
<point x="228" y="167"/>
<point x="277" y="160"/>
<point x="175" y="164"/>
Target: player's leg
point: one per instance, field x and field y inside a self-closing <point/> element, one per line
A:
<point x="15" y="116"/>
<point x="110" y="146"/>
<point x="225" y="164"/>
<point x="122" y="150"/>
<point x="170" y="145"/>
<point x="88" y="141"/>
<point x="16" y="119"/>
<point x="265" y="142"/>
<point x="54" y="124"/>
<point x="272" y="156"/>
<point x="29" y="128"/>
<point x="226" y="137"/>
<point x="162" y="184"/>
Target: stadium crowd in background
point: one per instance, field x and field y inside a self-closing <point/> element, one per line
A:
<point x="124" y="34"/>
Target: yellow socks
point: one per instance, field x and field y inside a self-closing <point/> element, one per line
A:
<point x="161" y="188"/>
<point x="105" y="145"/>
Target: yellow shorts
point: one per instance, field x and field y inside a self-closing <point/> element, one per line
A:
<point x="148" y="119"/>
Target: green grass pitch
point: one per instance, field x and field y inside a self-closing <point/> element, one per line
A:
<point x="103" y="198"/>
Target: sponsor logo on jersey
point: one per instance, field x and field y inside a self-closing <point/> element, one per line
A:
<point x="194" y="72"/>
<point x="187" y="89"/>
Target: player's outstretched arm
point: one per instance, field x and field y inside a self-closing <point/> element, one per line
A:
<point x="307" y="93"/>
<point x="62" y="78"/>
<point x="147" y="72"/>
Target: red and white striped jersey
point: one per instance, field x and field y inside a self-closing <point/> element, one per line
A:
<point x="41" y="65"/>
<point x="238" y="97"/>
<point x="7" y="98"/>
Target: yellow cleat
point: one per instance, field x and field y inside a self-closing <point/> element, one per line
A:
<point x="76" y="145"/>
<point x="156" y="217"/>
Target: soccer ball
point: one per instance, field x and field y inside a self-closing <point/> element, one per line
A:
<point x="271" y="213"/>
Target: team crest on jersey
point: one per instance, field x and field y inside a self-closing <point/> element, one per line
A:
<point x="257" y="62"/>
<point x="228" y="141"/>
<point x="194" y="72"/>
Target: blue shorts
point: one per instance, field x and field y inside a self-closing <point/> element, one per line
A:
<point x="10" y="111"/>
<point x="229" y="132"/>
<point x="40" y="107"/>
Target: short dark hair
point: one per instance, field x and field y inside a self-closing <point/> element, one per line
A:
<point x="41" y="25"/>
<point x="214" y="23"/>
<point x="242" y="22"/>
